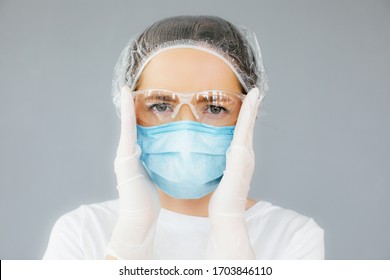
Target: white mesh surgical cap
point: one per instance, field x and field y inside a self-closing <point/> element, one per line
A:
<point x="237" y="46"/>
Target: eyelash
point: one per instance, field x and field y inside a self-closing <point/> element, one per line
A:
<point x="153" y="106"/>
<point x="219" y="107"/>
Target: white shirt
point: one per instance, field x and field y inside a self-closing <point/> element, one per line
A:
<point x="274" y="232"/>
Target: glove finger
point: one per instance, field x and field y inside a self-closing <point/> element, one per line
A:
<point x="128" y="136"/>
<point x="253" y="121"/>
<point x="246" y="118"/>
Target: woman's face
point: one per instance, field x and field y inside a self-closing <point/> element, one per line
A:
<point x="187" y="71"/>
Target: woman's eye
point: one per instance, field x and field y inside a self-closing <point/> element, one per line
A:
<point x="216" y="109"/>
<point x="160" y="107"/>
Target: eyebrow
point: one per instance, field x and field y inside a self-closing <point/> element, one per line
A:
<point x="205" y="99"/>
<point x="159" y="97"/>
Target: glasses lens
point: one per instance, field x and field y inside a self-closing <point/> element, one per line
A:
<point x="156" y="107"/>
<point x="218" y="108"/>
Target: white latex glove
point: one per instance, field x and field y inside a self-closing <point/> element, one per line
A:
<point x="139" y="203"/>
<point x="228" y="237"/>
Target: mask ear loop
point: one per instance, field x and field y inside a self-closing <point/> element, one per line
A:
<point x="185" y="99"/>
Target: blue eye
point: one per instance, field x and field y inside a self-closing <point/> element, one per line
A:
<point x="160" y="107"/>
<point x="215" y="110"/>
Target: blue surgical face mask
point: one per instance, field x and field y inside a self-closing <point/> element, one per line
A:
<point x="185" y="159"/>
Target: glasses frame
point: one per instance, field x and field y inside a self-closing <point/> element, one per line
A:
<point x="187" y="97"/>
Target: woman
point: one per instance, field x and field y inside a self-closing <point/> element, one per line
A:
<point x="188" y="89"/>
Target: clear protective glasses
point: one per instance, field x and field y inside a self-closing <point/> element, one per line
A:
<point x="212" y="107"/>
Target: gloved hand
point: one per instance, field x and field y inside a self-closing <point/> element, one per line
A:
<point x="228" y="237"/>
<point x="139" y="203"/>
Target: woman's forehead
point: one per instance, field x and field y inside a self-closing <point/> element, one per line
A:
<point x="188" y="69"/>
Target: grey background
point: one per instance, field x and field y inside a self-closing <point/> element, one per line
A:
<point x="322" y="148"/>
